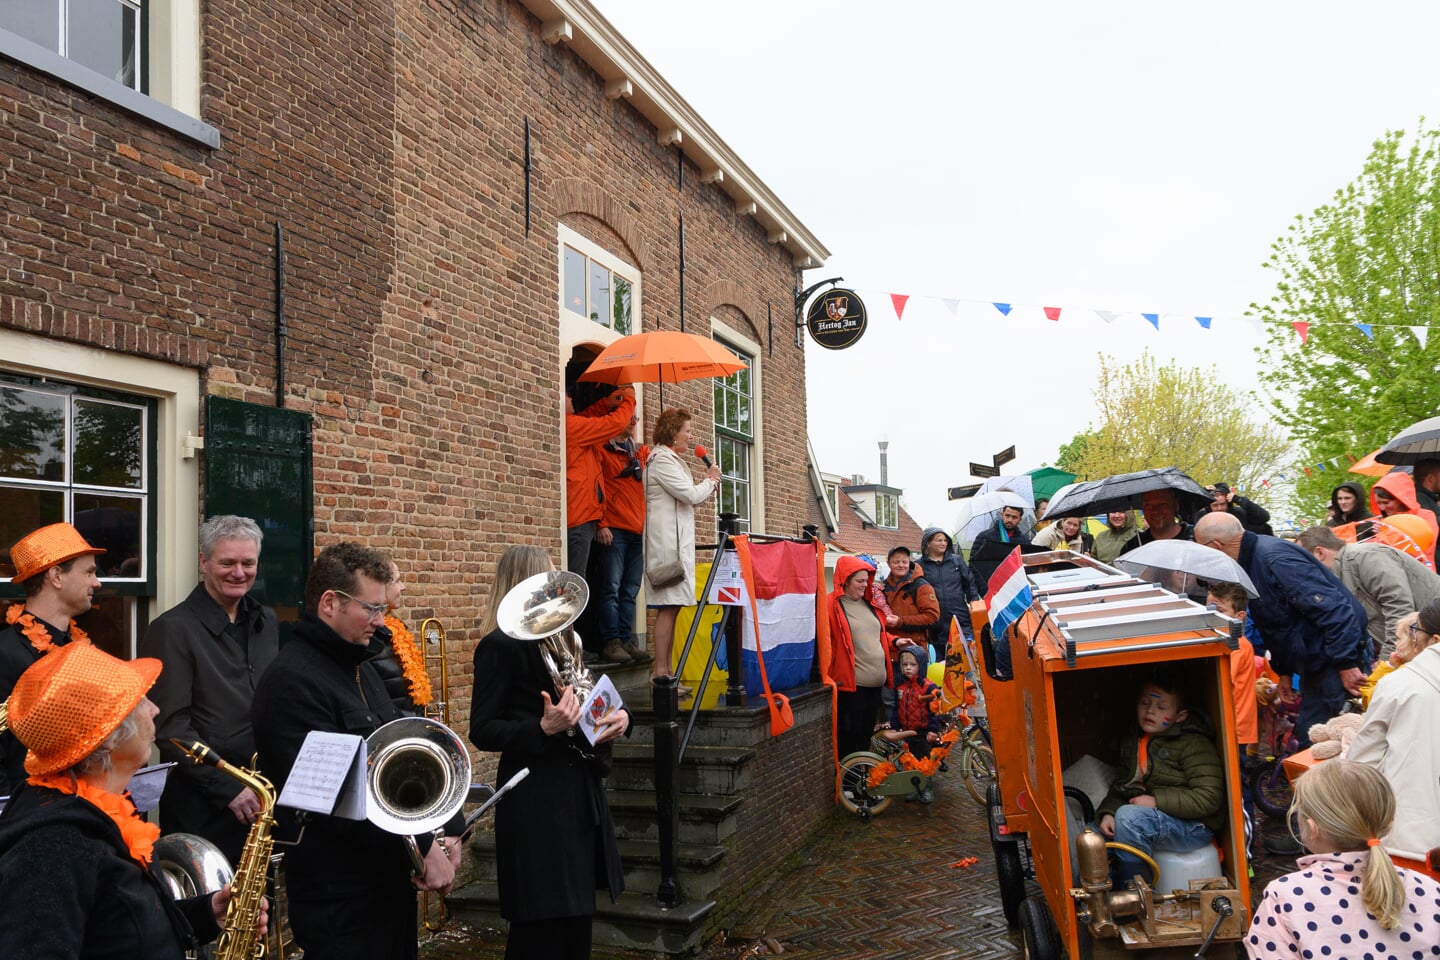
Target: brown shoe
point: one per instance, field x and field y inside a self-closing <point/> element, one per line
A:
<point x="636" y="654"/>
<point x="615" y="653"/>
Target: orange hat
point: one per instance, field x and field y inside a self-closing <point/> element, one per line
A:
<point x="39" y="551"/>
<point x="67" y="702"/>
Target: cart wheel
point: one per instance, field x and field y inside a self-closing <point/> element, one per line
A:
<point x="979" y="771"/>
<point x="1272" y="789"/>
<point x="1011" y="874"/>
<point x="1042" y="940"/>
<point x="855" y="793"/>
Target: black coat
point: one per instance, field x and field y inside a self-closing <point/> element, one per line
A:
<point x="554" y="839"/>
<point x="16" y="655"/>
<point x="392" y="673"/>
<point x="204" y="693"/>
<point x="321" y="682"/>
<point x="68" y="888"/>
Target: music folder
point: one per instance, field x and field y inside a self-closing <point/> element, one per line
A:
<point x="328" y="776"/>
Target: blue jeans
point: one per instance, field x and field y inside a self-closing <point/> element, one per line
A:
<point x="1322" y="697"/>
<point x="622" y="564"/>
<point x="1149" y="830"/>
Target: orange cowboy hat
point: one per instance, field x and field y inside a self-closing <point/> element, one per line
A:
<point x="67" y="702"/>
<point x="39" y="551"/>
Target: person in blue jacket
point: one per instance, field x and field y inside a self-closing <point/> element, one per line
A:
<point x="1312" y="624"/>
<point x="955" y="586"/>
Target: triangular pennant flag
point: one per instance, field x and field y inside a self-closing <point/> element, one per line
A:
<point x="1302" y="327"/>
<point x="1309" y="472"/>
<point x="1051" y="313"/>
<point x="1265" y="482"/>
<point x="1154" y="319"/>
<point x="1203" y="321"/>
<point x="1369" y="334"/>
<point x="1256" y="324"/>
<point x="952" y="305"/>
<point x="899" y="300"/>
<point x="1321" y="466"/>
<point x="1107" y="315"/>
<point x="1420" y="334"/>
<point x="1004" y="308"/>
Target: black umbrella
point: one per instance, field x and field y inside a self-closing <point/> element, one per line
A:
<point x="1123" y="492"/>
<point x="1419" y="441"/>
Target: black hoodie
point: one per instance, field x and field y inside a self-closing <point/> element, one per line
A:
<point x="68" y="887"/>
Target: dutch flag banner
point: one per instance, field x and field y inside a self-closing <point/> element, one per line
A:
<point x="785" y="582"/>
<point x="1007" y="596"/>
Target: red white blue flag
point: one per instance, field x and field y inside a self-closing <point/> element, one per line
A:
<point x="1007" y="596"/>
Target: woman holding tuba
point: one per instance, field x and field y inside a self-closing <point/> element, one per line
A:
<point x="554" y="839"/>
<point x="74" y="854"/>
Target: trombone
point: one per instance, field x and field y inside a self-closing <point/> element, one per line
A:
<point x="433" y="914"/>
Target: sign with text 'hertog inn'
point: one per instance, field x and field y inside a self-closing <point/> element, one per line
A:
<point x="836" y="319"/>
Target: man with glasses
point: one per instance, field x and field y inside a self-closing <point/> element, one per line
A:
<point x="215" y="644"/>
<point x="1312" y="625"/>
<point x="350" y="886"/>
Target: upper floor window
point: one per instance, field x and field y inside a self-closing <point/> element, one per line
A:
<point x="887" y="510"/>
<point x="103" y="35"/>
<point x="600" y="289"/>
<point x="832" y="494"/>
<point x="735" y="439"/>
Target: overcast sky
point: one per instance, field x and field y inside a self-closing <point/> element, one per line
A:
<point x="1123" y="156"/>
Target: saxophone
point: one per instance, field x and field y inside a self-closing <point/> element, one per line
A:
<point x="239" y="941"/>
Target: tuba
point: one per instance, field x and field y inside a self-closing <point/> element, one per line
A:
<point x="418" y="777"/>
<point x="542" y="608"/>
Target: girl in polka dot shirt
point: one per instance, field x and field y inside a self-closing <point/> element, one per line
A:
<point x="1347" y="899"/>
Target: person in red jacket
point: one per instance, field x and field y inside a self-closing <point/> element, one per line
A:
<point x="585" y="434"/>
<point x="620" y="541"/>
<point x="860" y="655"/>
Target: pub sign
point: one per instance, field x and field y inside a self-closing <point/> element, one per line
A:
<point x="836" y="319"/>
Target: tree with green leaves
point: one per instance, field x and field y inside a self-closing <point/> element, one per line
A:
<point x="1173" y="416"/>
<point x="1359" y="271"/>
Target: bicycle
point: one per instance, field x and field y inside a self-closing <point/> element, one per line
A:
<point x="870" y="779"/>
<point x="1268" y="782"/>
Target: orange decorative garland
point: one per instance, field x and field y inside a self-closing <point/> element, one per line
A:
<point x="412" y="662"/>
<point x="908" y="761"/>
<point x="138" y="835"/>
<point x="35" y="631"/>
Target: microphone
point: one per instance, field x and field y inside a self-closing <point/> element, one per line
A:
<point x="703" y="454"/>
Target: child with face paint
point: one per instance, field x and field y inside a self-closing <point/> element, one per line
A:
<point x="1170" y="789"/>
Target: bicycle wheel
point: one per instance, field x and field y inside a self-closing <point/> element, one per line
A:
<point x="855" y="794"/>
<point x="979" y="771"/>
<point x="1272" y="788"/>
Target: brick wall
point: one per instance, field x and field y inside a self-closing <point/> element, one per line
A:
<point x="388" y="140"/>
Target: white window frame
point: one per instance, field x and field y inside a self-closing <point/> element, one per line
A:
<point x="729" y="336"/>
<point x="887" y="503"/>
<point x="579" y="328"/>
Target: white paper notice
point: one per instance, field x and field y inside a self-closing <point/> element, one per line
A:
<point x="603" y="701"/>
<point x="327" y="765"/>
<point x="147" y="784"/>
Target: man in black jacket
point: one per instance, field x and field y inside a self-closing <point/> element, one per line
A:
<point x="215" y="644"/>
<point x="352" y="896"/>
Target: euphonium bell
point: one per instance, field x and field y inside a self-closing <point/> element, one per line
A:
<point x="542" y="608"/>
<point x="418" y="778"/>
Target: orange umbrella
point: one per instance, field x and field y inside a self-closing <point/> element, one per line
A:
<point x="662" y="356"/>
<point x="1366" y="465"/>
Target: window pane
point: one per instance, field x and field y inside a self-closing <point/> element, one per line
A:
<point x="719" y="392"/>
<point x="742" y="378"/>
<point x="742" y="500"/>
<point x="25" y="510"/>
<point x="102" y="36"/>
<point x="599" y="294"/>
<point x="110" y="624"/>
<point x="36" y="20"/>
<point x="742" y="416"/>
<point x="114" y="523"/>
<point x="622" y="304"/>
<point x="574" y="281"/>
<point x="32" y="435"/>
<point x="108" y="442"/>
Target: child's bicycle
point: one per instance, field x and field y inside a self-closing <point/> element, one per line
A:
<point x="1270" y="786"/>
<point x="870" y="779"/>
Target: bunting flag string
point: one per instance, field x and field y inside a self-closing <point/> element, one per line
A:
<point x="1302" y="328"/>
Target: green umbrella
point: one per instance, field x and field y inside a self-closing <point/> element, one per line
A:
<point x="1046" y="480"/>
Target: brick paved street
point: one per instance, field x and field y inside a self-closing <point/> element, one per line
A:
<point x="888" y="888"/>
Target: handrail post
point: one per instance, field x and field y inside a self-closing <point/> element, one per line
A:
<point x="735" y="690"/>
<point x="665" y="699"/>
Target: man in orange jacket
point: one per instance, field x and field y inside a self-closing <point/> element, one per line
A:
<point x="585" y="434"/>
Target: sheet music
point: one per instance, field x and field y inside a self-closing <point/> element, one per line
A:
<point x="147" y="784"/>
<point x="325" y="768"/>
<point x="603" y="701"/>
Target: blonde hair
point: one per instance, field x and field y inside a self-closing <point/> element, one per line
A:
<point x="514" y="565"/>
<point x="1351" y="804"/>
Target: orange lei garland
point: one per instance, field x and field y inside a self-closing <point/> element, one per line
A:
<point x="412" y="662"/>
<point x="138" y="835"/>
<point x="908" y="761"/>
<point x="35" y="631"/>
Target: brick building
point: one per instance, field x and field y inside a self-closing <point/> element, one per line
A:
<point x="328" y="264"/>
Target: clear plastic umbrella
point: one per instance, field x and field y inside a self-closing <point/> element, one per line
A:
<point x="980" y="511"/>
<point x="1184" y="561"/>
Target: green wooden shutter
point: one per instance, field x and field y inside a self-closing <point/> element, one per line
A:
<point x="258" y="465"/>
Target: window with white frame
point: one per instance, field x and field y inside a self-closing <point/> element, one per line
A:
<point x="104" y="35"/>
<point x="832" y="494"/>
<point x="735" y="439"/>
<point x="599" y="287"/>
<point x="887" y="510"/>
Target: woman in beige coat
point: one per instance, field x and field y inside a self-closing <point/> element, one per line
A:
<point x="670" y="499"/>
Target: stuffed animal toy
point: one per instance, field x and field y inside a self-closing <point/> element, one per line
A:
<point x="1332" y="738"/>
